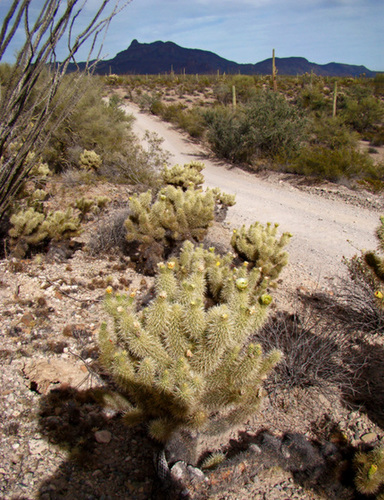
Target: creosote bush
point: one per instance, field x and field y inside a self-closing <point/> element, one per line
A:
<point x="184" y="361"/>
<point x="266" y="126"/>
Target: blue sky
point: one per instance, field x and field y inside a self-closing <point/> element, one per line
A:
<point x="246" y="31"/>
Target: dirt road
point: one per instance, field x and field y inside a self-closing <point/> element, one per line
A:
<point x="324" y="230"/>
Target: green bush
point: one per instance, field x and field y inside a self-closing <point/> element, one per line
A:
<point x="363" y="113"/>
<point x="104" y="128"/>
<point x="229" y="134"/>
<point x="332" y="133"/>
<point x="266" y="126"/>
<point x="277" y="127"/>
<point x="334" y="164"/>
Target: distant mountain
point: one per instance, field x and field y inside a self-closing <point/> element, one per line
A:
<point x="164" y="57"/>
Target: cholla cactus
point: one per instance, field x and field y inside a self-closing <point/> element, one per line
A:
<point x="61" y="225"/>
<point x="181" y="362"/>
<point x="174" y="216"/>
<point x="26" y="230"/>
<point x="260" y="246"/>
<point x="370" y="471"/>
<point x="85" y="205"/>
<point x="40" y="171"/>
<point x="374" y="261"/>
<point x="185" y="176"/>
<point x="89" y="160"/>
<point x="94" y="205"/>
<point x="376" y="264"/>
<point x="224" y="199"/>
<point x="112" y="79"/>
<point x="31" y="228"/>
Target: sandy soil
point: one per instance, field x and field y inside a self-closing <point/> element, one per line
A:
<point x="327" y="221"/>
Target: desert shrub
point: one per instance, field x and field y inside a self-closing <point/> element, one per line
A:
<point x="358" y="300"/>
<point x="314" y="351"/>
<point x="245" y="89"/>
<point x="378" y="83"/>
<point x="103" y="128"/>
<point x="229" y="133"/>
<point x="110" y="234"/>
<point x="363" y="113"/>
<point x="94" y="125"/>
<point x="334" y="164"/>
<point x="137" y="163"/>
<point x="331" y="133"/>
<point x="314" y="99"/>
<point x="377" y="138"/>
<point x="266" y="126"/>
<point x="192" y="121"/>
<point x="277" y="126"/>
<point x="180" y="361"/>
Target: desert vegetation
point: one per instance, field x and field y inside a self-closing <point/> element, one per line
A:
<point x="311" y="126"/>
<point x="198" y="353"/>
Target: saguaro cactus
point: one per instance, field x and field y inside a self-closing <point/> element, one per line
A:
<point x="185" y="361"/>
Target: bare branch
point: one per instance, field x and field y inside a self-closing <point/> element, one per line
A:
<point x="29" y="103"/>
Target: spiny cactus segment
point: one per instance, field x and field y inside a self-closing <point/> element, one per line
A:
<point x="369" y="477"/>
<point x="184" y="176"/>
<point x="260" y="245"/>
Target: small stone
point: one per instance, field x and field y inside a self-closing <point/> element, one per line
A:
<point x="254" y="448"/>
<point x="37" y="446"/>
<point x="28" y="320"/>
<point x="103" y="437"/>
<point x="370" y="437"/>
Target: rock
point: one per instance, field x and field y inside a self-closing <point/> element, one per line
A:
<point x="28" y="320"/>
<point x="368" y="438"/>
<point x="37" y="446"/>
<point x="253" y="448"/>
<point x="300" y="453"/>
<point x="44" y="374"/>
<point x="103" y="437"/>
<point x="184" y="475"/>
